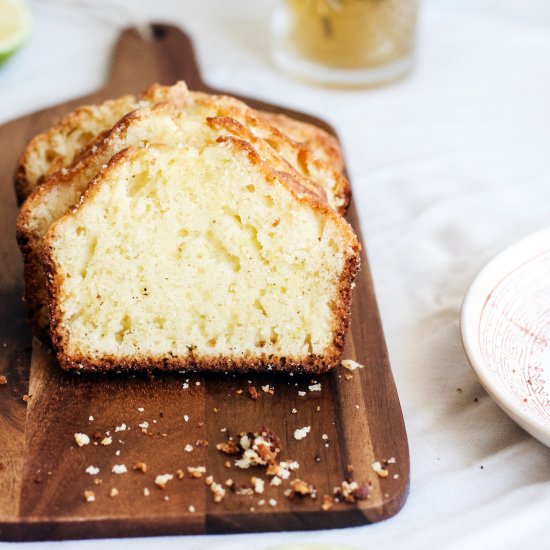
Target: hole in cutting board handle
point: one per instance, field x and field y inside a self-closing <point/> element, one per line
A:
<point x="159" y="32"/>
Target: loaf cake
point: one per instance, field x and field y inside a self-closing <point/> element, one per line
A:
<point x="199" y="256"/>
<point x="62" y="144"/>
<point x="165" y="123"/>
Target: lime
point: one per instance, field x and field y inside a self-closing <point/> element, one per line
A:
<point x="15" y="26"/>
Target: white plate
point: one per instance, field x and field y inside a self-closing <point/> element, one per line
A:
<point x="505" y="326"/>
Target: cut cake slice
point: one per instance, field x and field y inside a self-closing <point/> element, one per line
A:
<point x="199" y="258"/>
<point x="165" y="123"/>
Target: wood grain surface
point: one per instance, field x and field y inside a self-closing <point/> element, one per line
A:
<point x="354" y="422"/>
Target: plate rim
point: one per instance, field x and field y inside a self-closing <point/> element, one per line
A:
<point x="515" y="255"/>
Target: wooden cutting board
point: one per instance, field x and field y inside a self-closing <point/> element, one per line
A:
<point x="354" y="422"/>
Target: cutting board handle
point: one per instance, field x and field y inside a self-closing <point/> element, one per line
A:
<point x="167" y="51"/>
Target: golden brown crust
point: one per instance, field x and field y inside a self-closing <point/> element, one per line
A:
<point x="309" y="363"/>
<point x="24" y="185"/>
<point x="310" y="135"/>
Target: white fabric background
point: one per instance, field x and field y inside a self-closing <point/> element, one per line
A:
<point x="448" y="167"/>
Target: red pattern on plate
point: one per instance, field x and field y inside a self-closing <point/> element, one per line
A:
<point x="514" y="334"/>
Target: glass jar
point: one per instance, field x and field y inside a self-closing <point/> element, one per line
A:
<point x="345" y="42"/>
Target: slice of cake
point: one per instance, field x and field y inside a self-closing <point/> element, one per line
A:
<point x="59" y="146"/>
<point x="200" y="258"/>
<point x="165" y="123"/>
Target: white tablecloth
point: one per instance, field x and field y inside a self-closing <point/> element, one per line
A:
<point x="448" y="167"/>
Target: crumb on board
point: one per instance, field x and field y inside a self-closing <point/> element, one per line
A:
<point x="107" y="440"/>
<point x="258" y="484"/>
<point x="180" y="474"/>
<point x="89" y="496"/>
<point x="302" y="488"/>
<point x="188" y="448"/>
<point x="140" y="466"/>
<point x="315" y="387"/>
<point x="162" y="479"/>
<point x="98" y="481"/>
<point x="301" y="393"/>
<point x="253" y="392"/>
<point x="81" y="439"/>
<point x="196" y="472"/>
<point x="120" y="428"/>
<point x="119" y="469"/>
<point x="26" y="398"/>
<point x="352" y="365"/>
<point x="3" y="380"/>
<point x="92" y="470"/>
<point x="301" y="433"/>
<point x="191" y="509"/>
<point x="379" y="469"/>
<point x="328" y="503"/>
<point x="113" y="492"/>
<point x="218" y="491"/>
<point x="146" y="492"/>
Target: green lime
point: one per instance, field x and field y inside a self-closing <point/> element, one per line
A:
<point x="15" y="26"/>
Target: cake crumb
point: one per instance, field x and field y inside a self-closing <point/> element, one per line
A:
<point x="293" y="411"/>
<point x="301" y="393"/>
<point x="26" y="398"/>
<point x="302" y="488"/>
<point x="89" y="496"/>
<point x="315" y="387"/>
<point x="146" y="492"/>
<point x="188" y="448"/>
<point x="379" y="469"/>
<point x="253" y="392"/>
<point x="239" y="391"/>
<point x="98" y="481"/>
<point x="120" y="428"/>
<point x="268" y="389"/>
<point x="328" y="503"/>
<point x="119" y="469"/>
<point x="191" y="509"/>
<point x="218" y="491"/>
<point x="113" y="492"/>
<point x="301" y="433"/>
<point x="81" y="439"/>
<point x="180" y="473"/>
<point x="162" y="479"/>
<point x="196" y="472"/>
<point x="140" y="409"/>
<point x="141" y="466"/>
<point x="92" y="470"/>
<point x="228" y="447"/>
<point x="352" y="365"/>
<point x="186" y="418"/>
<point x="258" y="484"/>
<point x="272" y="502"/>
<point x="107" y="440"/>
<point x="3" y="380"/>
